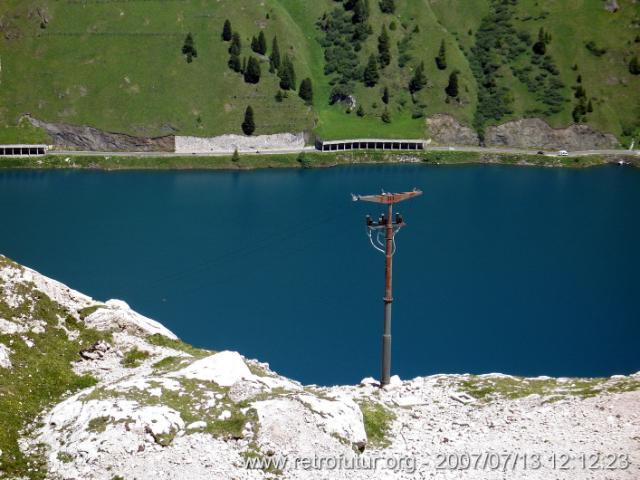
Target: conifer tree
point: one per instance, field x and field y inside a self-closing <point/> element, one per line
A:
<point x="360" y="11"/>
<point x="248" y="125"/>
<point x="189" y="48"/>
<point x="386" y="117"/>
<point x="540" y="47"/>
<point x="387" y="6"/>
<point x="441" y="59"/>
<point x="306" y="91"/>
<point x="385" y="95"/>
<point x="384" y="47"/>
<point x="370" y="74"/>
<point x="287" y="74"/>
<point x="419" y="80"/>
<point x="262" y="43"/>
<point x="452" y="88"/>
<point x="234" y="63"/>
<point x="235" y="158"/>
<point x="226" y="31"/>
<point x="236" y="44"/>
<point x="274" y="58"/>
<point x="254" y="44"/>
<point x="252" y="72"/>
<point x="634" y="66"/>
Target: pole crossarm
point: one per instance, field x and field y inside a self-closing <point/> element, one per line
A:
<point x="386" y="197"/>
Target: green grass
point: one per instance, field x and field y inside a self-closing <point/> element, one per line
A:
<point x="128" y="74"/>
<point x="40" y="376"/>
<point x="312" y="160"/>
<point x="162" y="341"/>
<point x="488" y="388"/>
<point x="134" y="358"/>
<point x="23" y="133"/>
<point x="377" y="423"/>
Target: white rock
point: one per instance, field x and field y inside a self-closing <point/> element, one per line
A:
<point x="409" y="401"/>
<point x="5" y="361"/>
<point x="224" y="368"/>
<point x="226" y="414"/>
<point x="117" y="314"/>
<point x="369" y="381"/>
<point x="197" y="425"/>
<point x="341" y="416"/>
<point x="9" y="327"/>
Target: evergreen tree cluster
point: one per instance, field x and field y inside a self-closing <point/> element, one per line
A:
<point x="250" y="68"/>
<point x="344" y="29"/>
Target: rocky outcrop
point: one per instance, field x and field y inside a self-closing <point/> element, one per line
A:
<point x="92" y="139"/>
<point x="183" y="412"/>
<point x="536" y="133"/>
<point x="446" y="130"/>
<point x="524" y="133"/>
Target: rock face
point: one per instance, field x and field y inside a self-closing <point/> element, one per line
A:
<point x="182" y="412"/>
<point x="446" y="130"/>
<point x="92" y="139"/>
<point x="5" y="360"/>
<point x="536" y="133"/>
<point x="229" y="143"/>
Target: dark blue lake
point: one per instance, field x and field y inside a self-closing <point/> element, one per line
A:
<point x="526" y="271"/>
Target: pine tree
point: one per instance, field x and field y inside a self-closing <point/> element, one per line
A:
<point x="252" y="71"/>
<point x="386" y="117"/>
<point x="360" y="11"/>
<point x="360" y="111"/>
<point x="306" y="91"/>
<point x="441" y="59"/>
<point x="385" y="95"/>
<point x="248" y="126"/>
<point x="275" y="56"/>
<point x="387" y="6"/>
<point x="189" y="48"/>
<point x="452" y="89"/>
<point x="262" y="43"/>
<point x="419" y="80"/>
<point x="590" y="107"/>
<point x="244" y="65"/>
<point x="540" y="47"/>
<point x="236" y="44"/>
<point x="254" y="44"/>
<point x="226" y="31"/>
<point x="384" y="48"/>
<point x="287" y="74"/>
<point x="235" y="158"/>
<point x="370" y="74"/>
<point x="234" y="63"/>
<point x="634" y="66"/>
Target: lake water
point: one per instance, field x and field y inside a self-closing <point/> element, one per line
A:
<point x="525" y="271"/>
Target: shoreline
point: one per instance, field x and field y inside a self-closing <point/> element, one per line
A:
<point x="307" y="160"/>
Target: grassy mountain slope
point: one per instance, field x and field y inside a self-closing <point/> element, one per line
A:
<point x="118" y="66"/>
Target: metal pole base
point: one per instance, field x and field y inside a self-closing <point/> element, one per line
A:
<point x="386" y="360"/>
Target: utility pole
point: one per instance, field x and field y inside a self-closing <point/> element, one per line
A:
<point x="385" y="230"/>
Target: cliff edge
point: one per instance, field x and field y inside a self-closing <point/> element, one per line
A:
<point x="94" y="390"/>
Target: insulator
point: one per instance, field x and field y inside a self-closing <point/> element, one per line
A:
<point x="399" y="218"/>
<point x="382" y="220"/>
<point x="369" y="221"/>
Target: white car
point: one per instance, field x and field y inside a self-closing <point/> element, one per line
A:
<point x="563" y="153"/>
